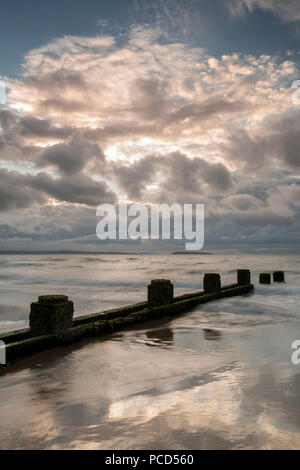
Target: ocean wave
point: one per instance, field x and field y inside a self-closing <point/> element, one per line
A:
<point x="252" y="308"/>
<point x="11" y="322"/>
<point x="277" y="290"/>
<point x="195" y="271"/>
<point x="25" y="265"/>
<point x="97" y="259"/>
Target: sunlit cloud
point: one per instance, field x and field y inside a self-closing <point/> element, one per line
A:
<point x="93" y="119"/>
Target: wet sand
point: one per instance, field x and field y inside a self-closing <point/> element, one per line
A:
<point x="177" y="384"/>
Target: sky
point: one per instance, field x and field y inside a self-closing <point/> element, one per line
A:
<point x="164" y="101"/>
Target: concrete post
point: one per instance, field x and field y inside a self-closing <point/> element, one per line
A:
<point x="160" y="292"/>
<point x="278" y="276"/>
<point x="211" y="283"/>
<point x="243" y="277"/>
<point x="50" y="314"/>
<point x="265" y="278"/>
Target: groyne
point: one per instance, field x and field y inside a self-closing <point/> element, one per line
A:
<point x="52" y="324"/>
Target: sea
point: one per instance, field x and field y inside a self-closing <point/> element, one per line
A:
<point x="223" y="376"/>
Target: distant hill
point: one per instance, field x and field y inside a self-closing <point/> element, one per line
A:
<point x="191" y="253"/>
<point x="65" y="252"/>
<point x="70" y="252"/>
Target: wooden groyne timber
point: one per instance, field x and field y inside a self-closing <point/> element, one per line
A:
<point x="52" y="323"/>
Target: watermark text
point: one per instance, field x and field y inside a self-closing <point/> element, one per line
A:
<point x="296" y="94"/>
<point x="2" y="353"/>
<point x="296" y="354"/>
<point x="154" y="222"/>
<point x="2" y="93"/>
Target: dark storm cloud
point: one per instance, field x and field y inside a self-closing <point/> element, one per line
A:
<point x="7" y="119"/>
<point x="15" y="194"/>
<point x="218" y="176"/>
<point x="181" y="175"/>
<point x="34" y="127"/>
<point x="21" y="191"/>
<point x="280" y="143"/>
<point x="150" y="98"/>
<point x="244" y="149"/>
<point x="73" y="155"/>
<point x="21" y="141"/>
<point x="78" y="189"/>
<point x="286" y="140"/>
<point x="31" y="126"/>
<point x="133" y="178"/>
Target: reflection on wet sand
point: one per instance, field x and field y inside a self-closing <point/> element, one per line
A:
<point x="219" y="377"/>
<point x="119" y="393"/>
<point x="163" y="336"/>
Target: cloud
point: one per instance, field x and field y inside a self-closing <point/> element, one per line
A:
<point x="21" y="191"/>
<point x="278" y="143"/>
<point x="34" y="127"/>
<point x="78" y="189"/>
<point x="206" y="110"/>
<point x="243" y="202"/>
<point x="155" y="120"/>
<point x="72" y="156"/>
<point x="180" y="178"/>
<point x="14" y="194"/>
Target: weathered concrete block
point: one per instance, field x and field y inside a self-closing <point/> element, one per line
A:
<point x="160" y="292"/>
<point x="243" y="277"/>
<point x="211" y="283"/>
<point x="278" y="276"/>
<point x="50" y="314"/>
<point x="265" y="278"/>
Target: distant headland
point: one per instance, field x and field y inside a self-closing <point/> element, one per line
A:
<point x="66" y="252"/>
<point x="70" y="252"/>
